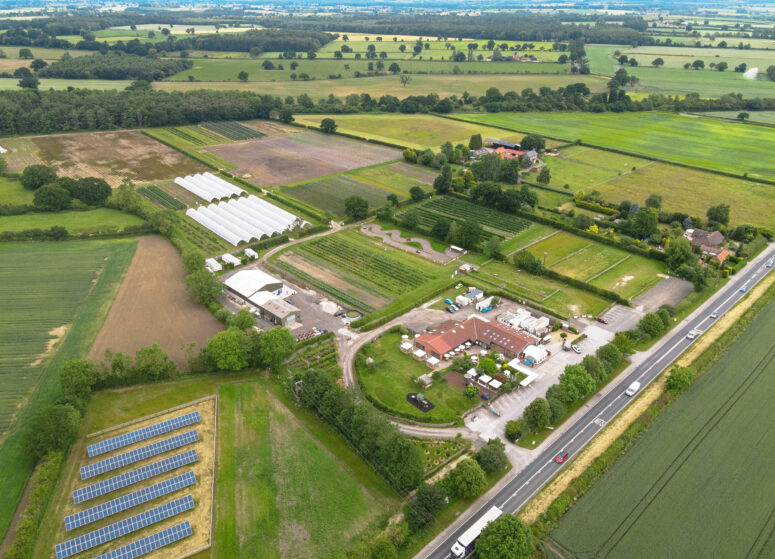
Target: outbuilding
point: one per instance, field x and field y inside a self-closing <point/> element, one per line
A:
<point x="535" y="354"/>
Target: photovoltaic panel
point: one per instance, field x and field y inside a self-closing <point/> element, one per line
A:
<point x="123" y="527"/>
<point x="142" y="434"/>
<point x="151" y="543"/>
<point x="138" y="454"/>
<point x="128" y="478"/>
<point x="128" y="501"/>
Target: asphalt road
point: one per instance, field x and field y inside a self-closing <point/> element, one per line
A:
<point x="541" y="470"/>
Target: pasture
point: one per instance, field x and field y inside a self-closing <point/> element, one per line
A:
<point x="55" y="297"/>
<point x="13" y="193"/>
<point x="420" y="132"/>
<point x="60" y="84"/>
<point x="584" y="168"/>
<point x="607" y="267"/>
<point x="294" y="158"/>
<point x="395" y="375"/>
<point x="397" y="178"/>
<point x="698" y="142"/>
<point x="711" y="450"/>
<point x="676" y="57"/>
<point x="693" y="191"/>
<point x="101" y="220"/>
<point x="762" y="117"/>
<point x="707" y="83"/>
<point x="329" y="194"/>
<point x="114" y="156"/>
<point x="419" y="84"/>
<point x="153" y="307"/>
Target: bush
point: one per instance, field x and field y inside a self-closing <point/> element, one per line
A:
<point x="515" y="429"/>
<point x="538" y="414"/>
<point x="467" y="480"/>
<point x="680" y="378"/>
<point x="53" y="429"/>
<point x="429" y="500"/>
<point x="492" y="457"/>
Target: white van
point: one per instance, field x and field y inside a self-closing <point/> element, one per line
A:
<point x="632" y="389"/>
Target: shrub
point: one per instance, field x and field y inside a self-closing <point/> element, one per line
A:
<point x="515" y="429"/>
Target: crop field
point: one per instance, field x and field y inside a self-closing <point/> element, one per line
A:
<point x="322" y="357"/>
<point x="54" y="299"/>
<point x="329" y="194"/>
<point x="397" y="178"/>
<point x="419" y="84"/>
<point x="491" y="219"/>
<point x="153" y="307"/>
<point x="12" y="192"/>
<point x="556" y="296"/>
<point x="188" y="136"/>
<point x="62" y="84"/>
<point x="607" y="267"/>
<point x="699" y="142"/>
<point x="21" y="153"/>
<point x="208" y="70"/>
<point x="101" y="220"/>
<point x="359" y="43"/>
<point x="707" y="83"/>
<point x="395" y="375"/>
<point x="160" y="197"/>
<point x="360" y="272"/>
<point x="45" y="53"/>
<point x="282" y="473"/>
<point x="232" y="130"/>
<point x="709" y="451"/>
<point x="415" y="131"/>
<point x="763" y="117"/>
<point x="676" y="57"/>
<point x="114" y="156"/>
<point x="196" y="235"/>
<point x="298" y="157"/>
<point x="583" y="167"/>
<point x="693" y="192"/>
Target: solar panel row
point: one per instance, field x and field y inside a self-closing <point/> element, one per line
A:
<point x="142" y="434"/>
<point x="138" y="454"/>
<point x="128" y="501"/>
<point x="151" y="543"/>
<point x="128" y="478"/>
<point x="123" y="527"/>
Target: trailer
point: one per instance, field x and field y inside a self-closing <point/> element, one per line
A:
<point x="464" y="546"/>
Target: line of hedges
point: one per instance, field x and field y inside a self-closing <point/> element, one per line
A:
<point x="611" y="295"/>
<point x="548" y="188"/>
<point x="596" y="207"/>
<point x="590" y="476"/>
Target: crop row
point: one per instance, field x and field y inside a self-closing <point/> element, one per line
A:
<point x="232" y="130"/>
<point x="383" y="271"/>
<point x="204" y="239"/>
<point x="156" y="194"/>
<point x="429" y="218"/>
<point x="484" y="216"/>
<point x="312" y="281"/>
<point x="191" y="139"/>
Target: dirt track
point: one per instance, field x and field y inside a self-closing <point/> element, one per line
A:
<point x="152" y="306"/>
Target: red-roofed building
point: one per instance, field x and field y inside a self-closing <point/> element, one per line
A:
<point x="490" y="335"/>
<point x="506" y="153"/>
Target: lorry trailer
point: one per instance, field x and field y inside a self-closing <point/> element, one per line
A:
<point x="464" y="546"/>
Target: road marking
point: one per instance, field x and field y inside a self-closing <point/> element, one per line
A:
<point x="599" y="421"/>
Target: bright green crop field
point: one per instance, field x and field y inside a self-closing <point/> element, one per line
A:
<point x="697" y="477"/>
<point x="763" y="117"/>
<point x="12" y="192"/>
<point x="54" y="298"/>
<point x="91" y="221"/>
<point x="398" y="178"/>
<point x="329" y="194"/>
<point x="700" y="142"/>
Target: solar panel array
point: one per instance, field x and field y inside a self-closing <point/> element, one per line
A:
<point x="138" y="454"/>
<point x="151" y="543"/>
<point x="128" y="478"/>
<point x="123" y="527"/>
<point x="128" y="501"/>
<point x="142" y="434"/>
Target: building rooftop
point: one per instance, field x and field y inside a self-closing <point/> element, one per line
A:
<point x="452" y="333"/>
<point x="279" y="307"/>
<point x="248" y="282"/>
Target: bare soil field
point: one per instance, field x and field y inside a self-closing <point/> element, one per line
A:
<point x="288" y="159"/>
<point x="114" y="156"/>
<point x="11" y="64"/>
<point x="152" y="306"/>
<point x="21" y="153"/>
<point x="271" y="127"/>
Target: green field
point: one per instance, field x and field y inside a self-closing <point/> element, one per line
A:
<point x="398" y="178"/>
<point x="329" y="194"/>
<point x="711" y="450"/>
<point x="205" y="69"/>
<point x="44" y="53"/>
<point x="495" y="221"/>
<point x="693" y="192"/>
<point x="763" y="117"/>
<point x="12" y="192"/>
<point x="556" y="296"/>
<point x="394" y="376"/>
<point x="584" y="168"/>
<point x="55" y="297"/>
<point x="91" y="221"/>
<point x="699" y="142"/>
<point x="707" y="83"/>
<point x="188" y="136"/>
<point x="60" y="84"/>
<point x="676" y="57"/>
<point x="607" y="267"/>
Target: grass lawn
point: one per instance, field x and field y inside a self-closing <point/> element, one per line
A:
<point x="562" y="299"/>
<point x="55" y="298"/>
<point x="693" y="191"/>
<point x="710" y="450"/>
<point x="687" y="140"/>
<point x="530" y="235"/>
<point x="585" y="168"/>
<point x="393" y="376"/>
<point x="419" y="84"/>
<point x="90" y="221"/>
<point x="330" y="194"/>
<point x="12" y="192"/>
<point x="397" y="178"/>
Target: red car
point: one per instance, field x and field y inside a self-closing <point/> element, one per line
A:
<point x="602" y="320"/>
<point x="561" y="457"/>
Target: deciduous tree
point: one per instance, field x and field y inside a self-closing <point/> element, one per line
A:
<point x="506" y="537"/>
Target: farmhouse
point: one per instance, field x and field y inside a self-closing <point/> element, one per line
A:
<point x="700" y="237"/>
<point x="491" y="335"/>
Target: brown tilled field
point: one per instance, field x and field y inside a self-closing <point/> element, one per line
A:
<point x="288" y="159"/>
<point x="114" y="156"/>
<point x="153" y="306"/>
<point x="271" y="127"/>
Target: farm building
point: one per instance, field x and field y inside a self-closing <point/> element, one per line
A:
<point x="247" y="283"/>
<point x="498" y="143"/>
<point x="213" y="265"/>
<point x="275" y="309"/>
<point x="250" y="253"/>
<point x="476" y="330"/>
<point x="231" y="259"/>
<point x="266" y="293"/>
<point x="507" y="153"/>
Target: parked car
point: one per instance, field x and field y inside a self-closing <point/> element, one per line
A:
<point x="450" y="309"/>
<point x="576" y="348"/>
<point x="602" y="320"/>
<point x="339" y="313"/>
<point x="561" y="457"/>
<point x="632" y="389"/>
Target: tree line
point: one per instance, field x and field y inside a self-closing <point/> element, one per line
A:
<point x="114" y="66"/>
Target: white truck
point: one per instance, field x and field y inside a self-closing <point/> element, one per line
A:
<point x="464" y="546"/>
